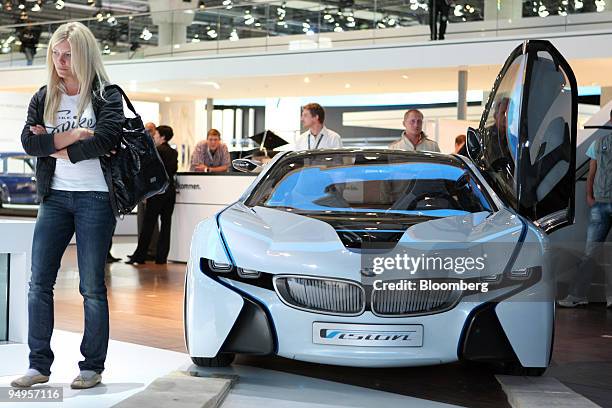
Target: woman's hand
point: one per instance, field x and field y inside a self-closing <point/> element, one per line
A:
<point x="61" y="154"/>
<point x="38" y="130"/>
<point x="81" y="133"/>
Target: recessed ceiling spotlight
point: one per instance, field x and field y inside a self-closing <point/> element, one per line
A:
<point x="59" y="4"/>
<point x="306" y="80"/>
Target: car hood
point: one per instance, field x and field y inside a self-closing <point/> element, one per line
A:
<point x="281" y="242"/>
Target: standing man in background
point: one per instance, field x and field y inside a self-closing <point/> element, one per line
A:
<point x="151" y="128"/>
<point x="460" y="147"/>
<point x="413" y="138"/>
<point x="160" y="205"/>
<point x="438" y="13"/>
<point x="317" y="136"/>
<point x="142" y="206"/>
<point x="599" y="198"/>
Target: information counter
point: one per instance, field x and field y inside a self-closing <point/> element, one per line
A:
<point x="15" y="261"/>
<point x="199" y="196"/>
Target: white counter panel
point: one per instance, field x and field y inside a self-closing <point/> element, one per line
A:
<point x="199" y="196"/>
<point x="16" y="240"/>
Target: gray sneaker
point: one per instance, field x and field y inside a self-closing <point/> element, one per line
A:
<point x="572" y="301"/>
<point x="29" y="380"/>
<point x="82" y="383"/>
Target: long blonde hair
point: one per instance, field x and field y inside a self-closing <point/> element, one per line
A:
<point x="86" y="66"/>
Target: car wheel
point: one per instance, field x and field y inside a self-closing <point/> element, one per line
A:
<point x="221" y="360"/>
<point x="3" y="196"/>
<point x="517" y="369"/>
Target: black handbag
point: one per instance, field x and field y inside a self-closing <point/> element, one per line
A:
<point x="137" y="170"/>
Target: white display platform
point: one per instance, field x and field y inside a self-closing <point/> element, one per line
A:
<point x="16" y="240"/>
<point x="199" y="196"/>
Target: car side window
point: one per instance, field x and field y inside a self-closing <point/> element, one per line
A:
<point x="19" y="165"/>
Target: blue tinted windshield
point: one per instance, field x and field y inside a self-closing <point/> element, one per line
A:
<point x="356" y="182"/>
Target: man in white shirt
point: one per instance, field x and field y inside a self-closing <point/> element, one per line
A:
<point x="413" y="138"/>
<point x="317" y="136"/>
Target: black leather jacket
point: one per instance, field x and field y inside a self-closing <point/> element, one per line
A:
<point x="107" y="134"/>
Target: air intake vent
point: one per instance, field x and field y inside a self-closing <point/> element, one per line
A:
<point x="321" y="295"/>
<point x="391" y="303"/>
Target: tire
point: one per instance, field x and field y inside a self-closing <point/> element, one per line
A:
<point x="220" y="360"/>
<point x="517" y="369"/>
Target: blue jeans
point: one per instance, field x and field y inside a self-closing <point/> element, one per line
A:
<point x="61" y="214"/>
<point x="598" y="229"/>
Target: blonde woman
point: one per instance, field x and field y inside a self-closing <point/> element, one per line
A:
<point x="73" y="124"/>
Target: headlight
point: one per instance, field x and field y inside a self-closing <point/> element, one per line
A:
<point x="219" y="267"/>
<point x="248" y="273"/>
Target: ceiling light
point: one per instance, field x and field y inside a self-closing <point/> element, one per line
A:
<point x="167" y="99"/>
<point x="36" y="7"/>
<point x="338" y="29"/>
<point x="405" y="76"/>
<point x="21" y="5"/>
<point x="306" y="80"/>
<point x="201" y="5"/>
<point x="327" y="17"/>
<point x="195" y="39"/>
<point x="212" y="33"/>
<point x="59" y="4"/>
<point x="347" y="86"/>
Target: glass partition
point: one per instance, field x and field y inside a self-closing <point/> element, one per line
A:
<point x="221" y="25"/>
<point x="4" y="270"/>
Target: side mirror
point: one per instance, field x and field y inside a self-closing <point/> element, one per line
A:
<point x="246" y="165"/>
<point x="474" y="144"/>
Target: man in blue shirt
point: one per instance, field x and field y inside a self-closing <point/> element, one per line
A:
<point x="599" y="198"/>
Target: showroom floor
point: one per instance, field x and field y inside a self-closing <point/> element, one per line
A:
<point x="146" y="308"/>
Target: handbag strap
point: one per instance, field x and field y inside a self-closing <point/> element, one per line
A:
<point x="125" y="98"/>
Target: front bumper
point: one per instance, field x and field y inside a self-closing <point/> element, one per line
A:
<point x="256" y="321"/>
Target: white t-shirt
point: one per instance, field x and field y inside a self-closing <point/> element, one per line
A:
<point x="326" y="139"/>
<point x="85" y="175"/>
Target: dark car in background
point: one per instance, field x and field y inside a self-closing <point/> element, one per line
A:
<point x="17" y="180"/>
